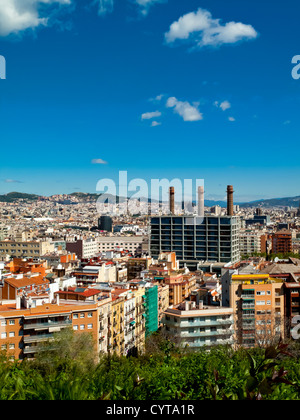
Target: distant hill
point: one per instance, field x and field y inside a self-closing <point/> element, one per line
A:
<point x="92" y="197"/>
<point x="275" y="202"/>
<point x="15" y="196"/>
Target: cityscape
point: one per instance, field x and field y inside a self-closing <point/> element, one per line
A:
<point x="158" y="235"/>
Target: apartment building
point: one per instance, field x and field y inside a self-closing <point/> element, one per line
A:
<point x="83" y="248"/>
<point x="101" y="272"/>
<point x="136" y="265"/>
<point x="163" y="301"/>
<point x="282" y="242"/>
<point x="258" y="304"/>
<point x="250" y="243"/>
<point x="129" y="324"/>
<point x="139" y="292"/>
<point x="130" y="243"/>
<point x="194" y="325"/>
<point x="4" y="231"/>
<point x="292" y="305"/>
<point x="30" y="249"/>
<point x="116" y="342"/>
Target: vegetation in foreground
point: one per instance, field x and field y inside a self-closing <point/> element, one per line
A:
<point x="66" y="370"/>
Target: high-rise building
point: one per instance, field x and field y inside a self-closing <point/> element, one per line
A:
<point x="195" y="239"/>
<point x="258" y="303"/>
<point x="105" y="223"/>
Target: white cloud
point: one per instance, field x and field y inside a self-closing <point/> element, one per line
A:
<point x="203" y="30"/>
<point x="231" y="119"/>
<point x="150" y="115"/>
<point x="19" y="15"/>
<point x="187" y="111"/>
<point x="105" y="6"/>
<point x="155" y="123"/>
<point x="98" y="162"/>
<point x="12" y="181"/>
<point x="223" y="105"/>
<point x="145" y="5"/>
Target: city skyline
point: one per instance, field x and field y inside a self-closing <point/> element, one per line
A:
<point x="161" y="89"/>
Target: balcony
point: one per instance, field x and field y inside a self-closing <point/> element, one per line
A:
<point x="203" y="323"/>
<point x="37" y="338"/>
<point x="46" y="325"/>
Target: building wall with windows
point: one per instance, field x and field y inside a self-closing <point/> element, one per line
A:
<point x="195" y="326"/>
<point x="258" y="303"/>
<point x="196" y="239"/>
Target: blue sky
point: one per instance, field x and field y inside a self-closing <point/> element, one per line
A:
<point x="160" y="89"/>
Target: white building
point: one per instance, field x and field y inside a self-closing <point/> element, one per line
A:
<point x="130" y="243"/>
<point x="250" y="242"/>
<point x="196" y="326"/>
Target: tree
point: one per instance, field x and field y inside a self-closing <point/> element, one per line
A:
<point x="68" y="351"/>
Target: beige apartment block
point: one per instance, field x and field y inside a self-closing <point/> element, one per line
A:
<point x="258" y="304"/>
<point x="22" y="249"/>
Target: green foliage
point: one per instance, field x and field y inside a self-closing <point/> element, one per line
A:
<point x="65" y="369"/>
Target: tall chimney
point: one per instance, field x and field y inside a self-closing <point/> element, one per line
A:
<point x="172" y="200"/>
<point x="230" y="200"/>
<point x="200" y="201"/>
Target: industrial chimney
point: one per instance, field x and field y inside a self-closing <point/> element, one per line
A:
<point x="200" y="201"/>
<point x="172" y="200"/>
<point x="230" y="200"/>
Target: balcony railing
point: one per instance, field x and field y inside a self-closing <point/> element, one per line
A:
<point x="46" y="325"/>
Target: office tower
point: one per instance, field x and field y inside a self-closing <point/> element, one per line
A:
<point x="105" y="223"/>
<point x="194" y="238"/>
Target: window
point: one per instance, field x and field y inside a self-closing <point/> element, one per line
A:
<point x="81" y="315"/>
<point x="3" y="335"/>
<point x="11" y="322"/>
<point x="90" y="326"/>
<point x="261" y="293"/>
<point x="268" y="302"/>
<point x="12" y="334"/>
<point x="75" y="327"/>
<point x="75" y="316"/>
<point x="11" y="346"/>
<point x="260" y="302"/>
<point x="90" y="314"/>
<point x="82" y="326"/>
